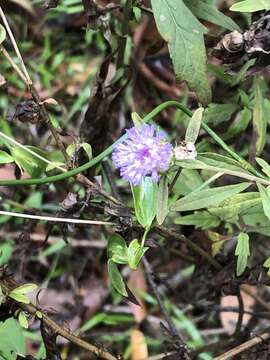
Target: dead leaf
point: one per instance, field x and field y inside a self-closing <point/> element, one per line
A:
<point x="139" y="349"/>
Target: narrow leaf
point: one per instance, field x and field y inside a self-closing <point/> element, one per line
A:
<point x="259" y="119"/>
<point x="162" y="200"/>
<point x="264" y="165"/>
<point x="5" y="157"/>
<point x="242" y="252"/>
<point x="194" y="126"/>
<point x="209" y="197"/>
<point x="251" y="5"/>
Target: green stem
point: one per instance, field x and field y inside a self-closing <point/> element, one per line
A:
<point x="108" y="151"/>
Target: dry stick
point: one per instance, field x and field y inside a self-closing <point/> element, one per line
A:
<point x="32" y="309"/>
<point x="243" y="347"/>
<point x="3" y="16"/>
<point x="26" y="78"/>
<point x="12" y="63"/>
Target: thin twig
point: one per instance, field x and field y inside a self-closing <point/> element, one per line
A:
<point x="172" y="329"/>
<point x="13" y="41"/>
<point x="12" y="63"/>
<point x="33" y="310"/>
<point x="54" y="219"/>
<point x="243" y="347"/>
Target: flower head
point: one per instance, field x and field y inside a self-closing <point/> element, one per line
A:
<point x="146" y="152"/>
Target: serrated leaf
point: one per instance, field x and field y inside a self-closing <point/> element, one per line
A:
<point x="162" y="200"/>
<point x="184" y="34"/>
<point x="3" y="34"/>
<point x="135" y="253"/>
<point x="251" y="5"/>
<point x="116" y="278"/>
<point x="117" y="249"/>
<point x="242" y="252"/>
<point x="209" y="197"/>
<point x="210" y="13"/>
<point x="194" y="126"/>
<point x="265" y="196"/>
<point x="5" y="158"/>
<point x="23" y="320"/>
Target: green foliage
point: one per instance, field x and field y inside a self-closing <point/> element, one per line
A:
<point x="117" y="249"/>
<point x="194" y="126"/>
<point x="265" y="196"/>
<point x="135" y="253"/>
<point x="251" y="5"/>
<point x="2" y="34"/>
<point x="30" y="163"/>
<point x="145" y="198"/>
<point x="12" y="341"/>
<point x="242" y="252"/>
<point x="209" y="12"/>
<point x="19" y="293"/>
<point x="5" y="158"/>
<point x="209" y="197"/>
<point x="259" y="119"/>
<point x="200" y="219"/>
<point x="184" y="34"/>
<point x="162" y="200"/>
<point x="116" y="278"/>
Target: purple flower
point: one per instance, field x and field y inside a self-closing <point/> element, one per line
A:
<point x="145" y="152"/>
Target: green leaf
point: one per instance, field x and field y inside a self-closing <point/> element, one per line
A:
<point x="30" y="163"/>
<point x="12" y="341"/>
<point x="201" y="219"/>
<point x="230" y="209"/>
<point x="5" y="158"/>
<point x="23" y="320"/>
<point x="194" y="126"/>
<point x="162" y="200"/>
<point x="2" y="296"/>
<point x="188" y="181"/>
<point x="266" y="264"/>
<point x="135" y="253"/>
<point x="117" y="249"/>
<point x="137" y="120"/>
<point x="87" y="149"/>
<point x="242" y="252"/>
<point x="116" y="278"/>
<point x="144" y="198"/>
<point x="209" y="197"/>
<point x="239" y="124"/>
<point x="53" y="165"/>
<point x="34" y="200"/>
<point x="259" y="119"/>
<point x="3" y="34"/>
<point x="251" y="5"/>
<point x="24" y="289"/>
<point x="19" y="298"/>
<point x="264" y="165"/>
<point x="184" y="34"/>
<point x="265" y="196"/>
<point x="215" y="114"/>
<point x="210" y="13"/>
<point x="5" y="252"/>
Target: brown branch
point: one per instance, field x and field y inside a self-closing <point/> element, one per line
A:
<point x="243" y="347"/>
<point x="8" y="284"/>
